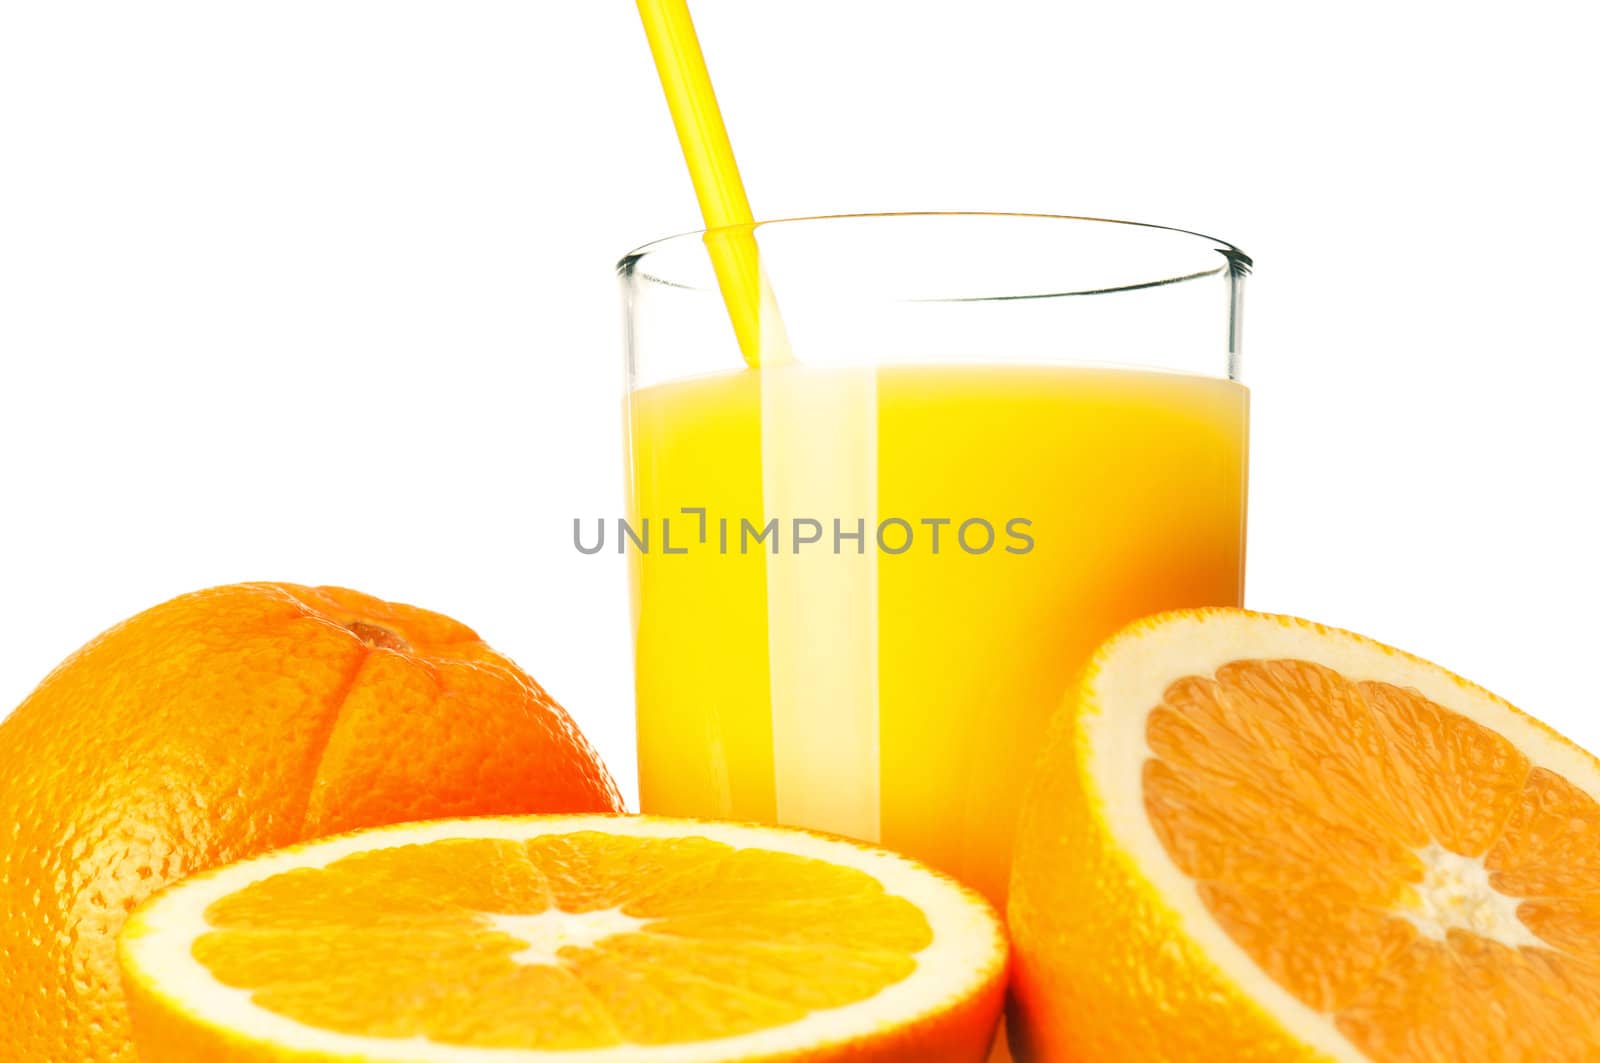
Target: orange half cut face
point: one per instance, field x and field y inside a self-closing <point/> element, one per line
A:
<point x="590" y="939"/>
<point x="1339" y="850"/>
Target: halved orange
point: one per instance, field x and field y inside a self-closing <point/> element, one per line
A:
<point x="1257" y="838"/>
<point x="584" y="939"/>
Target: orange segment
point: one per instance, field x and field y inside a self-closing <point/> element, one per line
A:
<point x="1572" y="926"/>
<point x="1337" y="848"/>
<point x="1317" y="944"/>
<point x="1551" y="845"/>
<point x="1456" y="778"/>
<point x="1478" y="1000"/>
<point x="588" y="935"/>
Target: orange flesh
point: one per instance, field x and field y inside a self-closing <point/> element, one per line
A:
<point x="1304" y="804"/>
<point x="397" y="943"/>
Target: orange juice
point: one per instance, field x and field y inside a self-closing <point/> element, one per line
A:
<point x="861" y="592"/>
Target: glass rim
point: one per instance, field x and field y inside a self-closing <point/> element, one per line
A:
<point x="1235" y="260"/>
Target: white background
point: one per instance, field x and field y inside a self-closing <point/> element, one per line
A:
<point x="322" y="291"/>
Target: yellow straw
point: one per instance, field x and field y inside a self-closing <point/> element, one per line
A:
<point x="717" y="185"/>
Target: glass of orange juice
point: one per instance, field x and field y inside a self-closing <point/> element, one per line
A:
<point x="865" y="570"/>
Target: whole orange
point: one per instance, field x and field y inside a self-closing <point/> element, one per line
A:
<point x="224" y="723"/>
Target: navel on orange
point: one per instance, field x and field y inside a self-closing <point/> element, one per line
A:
<point x="1256" y="838"/>
<point x="585" y="939"/>
<point x="224" y="723"/>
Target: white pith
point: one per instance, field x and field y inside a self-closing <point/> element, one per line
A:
<point x="544" y="934"/>
<point x="967" y="948"/>
<point x="1129" y="678"/>
<point x="1455" y="894"/>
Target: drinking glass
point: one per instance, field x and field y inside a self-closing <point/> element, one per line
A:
<point x="865" y="571"/>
